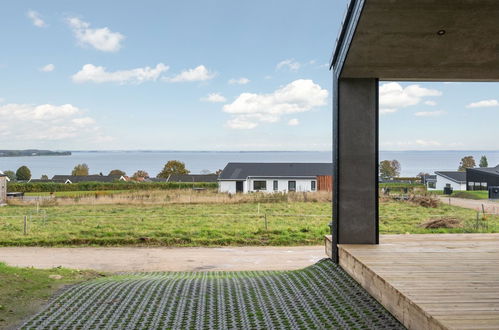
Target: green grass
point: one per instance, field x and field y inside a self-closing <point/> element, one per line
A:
<point x="297" y="223"/>
<point x="24" y="290"/>
<point x="478" y="194"/>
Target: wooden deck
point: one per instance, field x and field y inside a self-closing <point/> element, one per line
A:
<point x="441" y="281"/>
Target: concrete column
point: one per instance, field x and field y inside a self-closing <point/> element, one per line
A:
<point x="355" y="157"/>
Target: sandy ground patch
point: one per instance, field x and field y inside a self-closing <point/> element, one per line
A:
<point x="136" y="259"/>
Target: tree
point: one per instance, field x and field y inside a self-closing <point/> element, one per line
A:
<point x="44" y="177"/>
<point x="139" y="175"/>
<point x="389" y="169"/>
<point x="80" y="170"/>
<point x="422" y="175"/>
<point x="10" y="174"/>
<point x="484" y="162"/>
<point x="23" y="173"/>
<point x="173" y="167"/>
<point x="466" y="162"/>
<point x="117" y="172"/>
<point x="205" y="172"/>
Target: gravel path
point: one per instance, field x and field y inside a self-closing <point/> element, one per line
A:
<point x="474" y="204"/>
<point x="136" y="259"/>
<point x="318" y="297"/>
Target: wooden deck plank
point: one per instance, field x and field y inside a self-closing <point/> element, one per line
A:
<point x="435" y="281"/>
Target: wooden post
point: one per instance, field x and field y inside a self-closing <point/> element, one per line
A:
<point x="266" y="223"/>
<point x="25" y="225"/>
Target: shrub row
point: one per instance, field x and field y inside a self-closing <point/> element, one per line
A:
<point x="92" y="186"/>
<point x="399" y="186"/>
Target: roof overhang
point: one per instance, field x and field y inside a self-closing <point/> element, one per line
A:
<point x="419" y="40"/>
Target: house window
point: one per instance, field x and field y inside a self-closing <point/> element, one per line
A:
<point x="276" y="185"/>
<point x="292" y="185"/>
<point x="431" y="185"/>
<point x="259" y="185"/>
<point x="313" y="183"/>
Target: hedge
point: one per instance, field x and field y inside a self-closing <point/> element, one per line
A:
<point x="97" y="186"/>
<point x="399" y="185"/>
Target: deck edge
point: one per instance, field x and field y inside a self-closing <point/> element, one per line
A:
<point x="400" y="306"/>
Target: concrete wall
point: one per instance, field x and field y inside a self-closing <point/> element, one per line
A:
<point x="355" y="161"/>
<point x="442" y="182"/>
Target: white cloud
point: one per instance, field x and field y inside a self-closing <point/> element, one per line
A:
<point x="214" y="98"/>
<point x="36" y="19"/>
<point x="102" y="39"/>
<point x="249" y="109"/>
<point x="99" y="74"/>
<point x="83" y="121"/>
<point x="291" y="64"/>
<point x="293" y="122"/>
<point x="483" y="104"/>
<point x="430" y="103"/>
<point x="47" y="68"/>
<point x="430" y="113"/>
<point x="199" y="73"/>
<point x="240" y="123"/>
<point x="393" y="96"/>
<point x="46" y="122"/>
<point x="239" y="81"/>
<point x="387" y="111"/>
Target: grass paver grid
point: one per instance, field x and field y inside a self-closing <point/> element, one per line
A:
<point x="321" y="296"/>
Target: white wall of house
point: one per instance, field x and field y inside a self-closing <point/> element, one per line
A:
<point x="302" y="185"/>
<point x="442" y="183"/>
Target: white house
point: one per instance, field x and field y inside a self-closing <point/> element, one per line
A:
<point x="272" y="177"/>
<point x="454" y="179"/>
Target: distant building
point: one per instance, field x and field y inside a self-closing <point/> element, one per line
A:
<point x="275" y="177"/>
<point x="430" y="181"/>
<point x="481" y="178"/>
<point x="68" y="179"/>
<point x="3" y="189"/>
<point x="452" y="179"/>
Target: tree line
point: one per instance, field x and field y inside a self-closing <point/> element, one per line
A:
<point x="176" y="167"/>
<point x="389" y="169"/>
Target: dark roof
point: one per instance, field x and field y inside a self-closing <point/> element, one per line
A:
<point x="241" y="171"/>
<point x="456" y="176"/>
<point x="86" y="178"/>
<point x="489" y="170"/>
<point x="193" y="178"/>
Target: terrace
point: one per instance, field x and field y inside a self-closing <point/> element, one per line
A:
<point x="427" y="281"/>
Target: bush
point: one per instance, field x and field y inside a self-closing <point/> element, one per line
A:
<point x="101" y="186"/>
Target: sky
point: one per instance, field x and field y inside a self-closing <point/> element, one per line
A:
<point x="205" y="75"/>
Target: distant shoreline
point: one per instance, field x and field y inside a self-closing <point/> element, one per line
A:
<point x="32" y="153"/>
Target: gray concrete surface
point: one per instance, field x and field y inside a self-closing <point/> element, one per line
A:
<point x="116" y="259"/>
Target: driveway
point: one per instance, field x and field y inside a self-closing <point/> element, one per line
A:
<point x="474" y="204"/>
<point x="137" y="259"/>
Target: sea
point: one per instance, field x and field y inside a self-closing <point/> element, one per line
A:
<point x="412" y="162"/>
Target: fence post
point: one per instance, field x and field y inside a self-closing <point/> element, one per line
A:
<point x="266" y="223"/>
<point x="25" y="225"/>
<point x="258" y="209"/>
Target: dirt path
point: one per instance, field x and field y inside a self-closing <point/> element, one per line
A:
<point x="475" y="204"/>
<point x="165" y="259"/>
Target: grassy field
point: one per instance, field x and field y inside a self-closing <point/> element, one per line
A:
<point x="24" y="290"/>
<point x="206" y="224"/>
